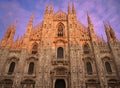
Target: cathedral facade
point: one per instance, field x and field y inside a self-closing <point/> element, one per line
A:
<point x="59" y="52"/>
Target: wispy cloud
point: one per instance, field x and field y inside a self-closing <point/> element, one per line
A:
<point x="100" y="10"/>
<point x="13" y="11"/>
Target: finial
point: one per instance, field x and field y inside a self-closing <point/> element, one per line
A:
<point x="73" y="8"/>
<point x="89" y="19"/>
<point x="31" y="19"/>
<point x="112" y="31"/>
<point x="15" y="23"/>
<point x="51" y="9"/>
<point x="105" y="26"/>
<point x="110" y="25"/>
<point x="68" y="7"/>
<point x="46" y="11"/>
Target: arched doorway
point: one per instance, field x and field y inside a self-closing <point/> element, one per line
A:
<point x="60" y="83"/>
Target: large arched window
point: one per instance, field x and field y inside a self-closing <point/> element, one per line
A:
<point x="60" y="52"/>
<point x="60" y="30"/>
<point x="89" y="68"/>
<point x="35" y="48"/>
<point x="31" y="68"/>
<point x="108" y="67"/>
<point x="11" y="68"/>
<point x="86" y="49"/>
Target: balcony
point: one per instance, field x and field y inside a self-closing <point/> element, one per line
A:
<point x="60" y="61"/>
<point x="91" y="75"/>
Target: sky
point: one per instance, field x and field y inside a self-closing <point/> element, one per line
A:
<point x="21" y="10"/>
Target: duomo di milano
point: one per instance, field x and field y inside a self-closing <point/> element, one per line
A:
<point x="60" y="52"/>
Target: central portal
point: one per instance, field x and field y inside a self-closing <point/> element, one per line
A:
<point x="60" y="83"/>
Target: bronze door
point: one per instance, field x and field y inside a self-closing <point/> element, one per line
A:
<point x="60" y="83"/>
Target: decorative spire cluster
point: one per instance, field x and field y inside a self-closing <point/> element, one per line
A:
<point x="110" y="32"/>
<point x="49" y="9"/>
<point x="73" y="8"/>
<point x="73" y="11"/>
<point x="9" y="35"/>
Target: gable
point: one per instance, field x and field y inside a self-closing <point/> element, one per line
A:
<point x="60" y="15"/>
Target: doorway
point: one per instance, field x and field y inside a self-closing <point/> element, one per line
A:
<point x="60" y="83"/>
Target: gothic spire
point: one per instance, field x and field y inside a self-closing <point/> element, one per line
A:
<point x="51" y="9"/>
<point x="7" y="34"/>
<point x="90" y="25"/>
<point x="31" y="19"/>
<point x="91" y="29"/>
<point x="73" y="8"/>
<point x="89" y="19"/>
<point x="30" y="24"/>
<point x="10" y="31"/>
<point x="112" y="33"/>
<point x="69" y="11"/>
<point x="46" y="11"/>
<point x="13" y="29"/>
<point x="107" y="31"/>
<point x="106" y="27"/>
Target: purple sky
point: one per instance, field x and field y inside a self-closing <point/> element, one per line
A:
<point x="21" y="10"/>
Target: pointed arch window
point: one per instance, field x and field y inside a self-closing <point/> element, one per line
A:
<point x="89" y="68"/>
<point x="60" y="52"/>
<point x="31" y="68"/>
<point x="35" y="48"/>
<point x="108" y="67"/>
<point x="60" y="31"/>
<point x="86" y="49"/>
<point x="11" y="68"/>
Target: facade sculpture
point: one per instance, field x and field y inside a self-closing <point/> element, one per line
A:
<point x="60" y="52"/>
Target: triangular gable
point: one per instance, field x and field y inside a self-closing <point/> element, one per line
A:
<point x="60" y="15"/>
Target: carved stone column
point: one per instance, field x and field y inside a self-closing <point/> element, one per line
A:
<point x="17" y="81"/>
